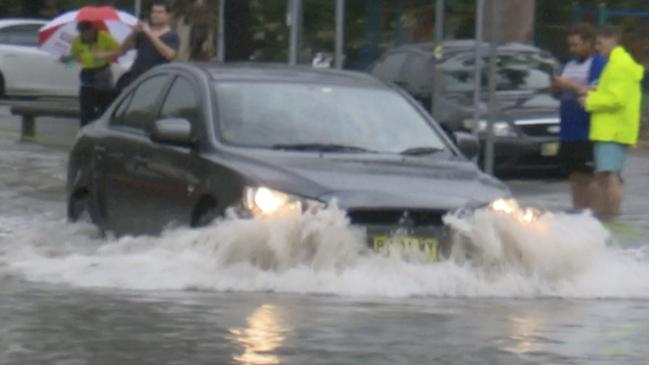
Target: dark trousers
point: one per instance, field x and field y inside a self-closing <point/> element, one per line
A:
<point x="93" y="103"/>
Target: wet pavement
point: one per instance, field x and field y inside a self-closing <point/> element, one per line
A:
<point x="68" y="296"/>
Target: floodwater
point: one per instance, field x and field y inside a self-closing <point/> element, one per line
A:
<point x="304" y="290"/>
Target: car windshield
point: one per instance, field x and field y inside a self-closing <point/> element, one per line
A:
<point x="514" y="72"/>
<point x="330" y="118"/>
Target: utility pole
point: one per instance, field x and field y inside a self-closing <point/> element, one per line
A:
<point x="439" y="38"/>
<point x="137" y="8"/>
<point x="220" y="34"/>
<point x="340" y="34"/>
<point x="477" y="79"/>
<point x="295" y="22"/>
<point x="493" y="44"/>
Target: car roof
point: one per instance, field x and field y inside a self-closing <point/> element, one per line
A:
<point x="463" y="45"/>
<point x="8" y="22"/>
<point x="247" y="71"/>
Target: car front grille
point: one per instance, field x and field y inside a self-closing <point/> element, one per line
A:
<point x="396" y="217"/>
<point x="539" y="128"/>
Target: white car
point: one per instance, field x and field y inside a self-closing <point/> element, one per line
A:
<point x="26" y="70"/>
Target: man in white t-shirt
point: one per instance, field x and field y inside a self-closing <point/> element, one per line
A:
<point x="576" y="152"/>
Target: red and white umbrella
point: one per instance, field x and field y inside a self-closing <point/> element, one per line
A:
<point x="56" y="36"/>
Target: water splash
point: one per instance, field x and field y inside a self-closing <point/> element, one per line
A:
<point x="555" y="255"/>
<point x="507" y="237"/>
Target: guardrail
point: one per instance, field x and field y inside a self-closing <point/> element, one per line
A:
<point x="28" y="110"/>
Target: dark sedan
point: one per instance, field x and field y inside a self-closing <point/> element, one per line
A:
<point x="185" y="142"/>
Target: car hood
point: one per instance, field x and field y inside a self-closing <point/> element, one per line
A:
<point x="372" y="181"/>
<point x="509" y="106"/>
<point x="523" y="105"/>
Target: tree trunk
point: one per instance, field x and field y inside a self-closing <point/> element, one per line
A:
<point x="516" y="20"/>
<point x="238" y="37"/>
<point x="196" y="24"/>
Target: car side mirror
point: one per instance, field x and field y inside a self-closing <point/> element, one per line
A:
<point x="468" y="144"/>
<point x="176" y="131"/>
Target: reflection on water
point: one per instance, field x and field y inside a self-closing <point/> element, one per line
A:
<point x="262" y="337"/>
<point x="523" y="332"/>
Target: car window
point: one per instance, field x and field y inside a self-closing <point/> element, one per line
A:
<point x="20" y="35"/>
<point x="120" y="111"/>
<point x="514" y="72"/>
<point x="140" y="110"/>
<point x="4" y="35"/>
<point x="181" y="101"/>
<point x="418" y="73"/>
<point x="267" y="115"/>
<point x="391" y="66"/>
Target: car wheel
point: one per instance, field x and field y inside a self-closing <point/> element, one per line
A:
<point x="205" y="213"/>
<point x="80" y="209"/>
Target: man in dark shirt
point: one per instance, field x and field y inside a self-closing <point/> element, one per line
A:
<point x="156" y="43"/>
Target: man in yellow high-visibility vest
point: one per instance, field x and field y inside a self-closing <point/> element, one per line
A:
<point x="615" y="119"/>
<point x="96" y="78"/>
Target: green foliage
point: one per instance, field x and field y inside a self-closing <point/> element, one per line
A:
<point x="371" y="26"/>
<point x="50" y="8"/>
<point x="554" y="18"/>
<point x="16" y="7"/>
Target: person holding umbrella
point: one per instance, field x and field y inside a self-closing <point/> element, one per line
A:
<point x="96" y="78"/>
<point x="85" y="35"/>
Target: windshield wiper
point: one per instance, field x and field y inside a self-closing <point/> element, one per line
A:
<point x="416" y="151"/>
<point x="321" y="147"/>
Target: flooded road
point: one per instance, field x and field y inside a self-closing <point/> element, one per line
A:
<point x="303" y="291"/>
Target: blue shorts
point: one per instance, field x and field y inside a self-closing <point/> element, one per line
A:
<point x="609" y="156"/>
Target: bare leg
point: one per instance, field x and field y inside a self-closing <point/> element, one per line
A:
<point x="583" y="189"/>
<point x="609" y="195"/>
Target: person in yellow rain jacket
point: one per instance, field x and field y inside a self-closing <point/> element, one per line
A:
<point x="615" y="119"/>
<point x="96" y="78"/>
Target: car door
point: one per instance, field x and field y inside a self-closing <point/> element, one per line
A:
<point x="171" y="172"/>
<point x="122" y="153"/>
<point x="27" y="70"/>
<point x="391" y="68"/>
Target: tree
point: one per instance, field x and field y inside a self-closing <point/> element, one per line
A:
<point x="196" y="25"/>
<point x="238" y="40"/>
<point x="515" y="22"/>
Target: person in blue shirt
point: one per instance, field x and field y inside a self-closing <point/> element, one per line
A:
<point x="576" y="151"/>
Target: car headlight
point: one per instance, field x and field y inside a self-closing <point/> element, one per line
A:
<point x="265" y="201"/>
<point x="501" y="128"/>
<point x="511" y="207"/>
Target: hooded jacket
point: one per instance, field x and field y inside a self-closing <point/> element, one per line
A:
<point x="615" y="104"/>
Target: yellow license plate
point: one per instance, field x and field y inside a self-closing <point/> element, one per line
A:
<point x="427" y="245"/>
<point x="550" y="149"/>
